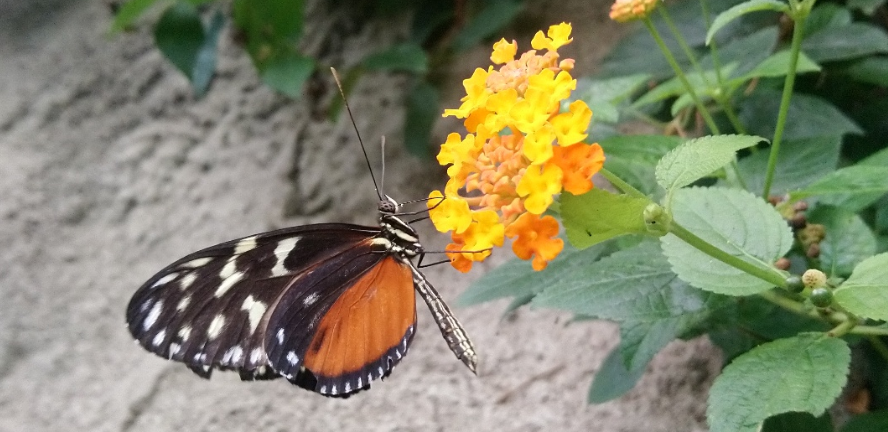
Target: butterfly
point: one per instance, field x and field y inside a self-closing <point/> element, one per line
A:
<point x="330" y="307"/>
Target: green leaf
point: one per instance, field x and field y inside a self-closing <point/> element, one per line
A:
<point x="848" y="239"/>
<point x="640" y="341"/>
<point x="423" y="108"/>
<point x="804" y="373"/>
<point x="807" y="117"/>
<point x="869" y="422"/>
<point x="131" y="11"/>
<point x="800" y="163"/>
<point x="634" y="157"/>
<point x="613" y="379"/>
<point x="405" y="57"/>
<point x="845" y="42"/>
<point x="603" y="96"/>
<point x="179" y="35"/>
<point x="852" y="188"/>
<point x="827" y="15"/>
<point x="777" y="65"/>
<point x="871" y="70"/>
<point x="631" y="285"/>
<point x="205" y="61"/>
<point x="517" y="278"/>
<point x="698" y="158"/>
<point x="865" y="293"/>
<point x="798" y="422"/>
<point x="734" y="221"/>
<point x="287" y="72"/>
<point x="598" y="215"/>
<point x="742" y="9"/>
<point x="495" y="15"/>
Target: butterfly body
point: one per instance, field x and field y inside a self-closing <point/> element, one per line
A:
<point x="329" y="307"/>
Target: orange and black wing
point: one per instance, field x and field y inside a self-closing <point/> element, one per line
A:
<point x="247" y="304"/>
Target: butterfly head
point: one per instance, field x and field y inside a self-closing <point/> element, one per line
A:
<point x="388" y="205"/>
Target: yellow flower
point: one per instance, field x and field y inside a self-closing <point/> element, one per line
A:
<point x="503" y="52"/>
<point x="518" y="154"/>
<point x="538" y="185"/>
<point x="631" y="10"/>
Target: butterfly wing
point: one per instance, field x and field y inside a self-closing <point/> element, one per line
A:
<point x="359" y="338"/>
<point x="215" y="307"/>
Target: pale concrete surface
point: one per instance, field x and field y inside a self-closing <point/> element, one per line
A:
<point x="111" y="169"/>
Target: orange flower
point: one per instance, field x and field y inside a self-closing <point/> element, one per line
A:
<point x="578" y="163"/>
<point x="536" y="239"/>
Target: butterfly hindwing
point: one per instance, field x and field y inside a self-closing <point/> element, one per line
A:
<point x="359" y="338"/>
<point x="210" y="309"/>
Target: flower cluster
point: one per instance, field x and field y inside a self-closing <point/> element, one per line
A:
<point x="520" y="151"/>
<point x="631" y="10"/>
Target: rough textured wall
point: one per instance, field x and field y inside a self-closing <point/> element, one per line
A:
<point x="111" y="170"/>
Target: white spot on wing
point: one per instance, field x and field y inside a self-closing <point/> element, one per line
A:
<point x="292" y="358"/>
<point x="360" y="382"/>
<point x="184" y="333"/>
<point x="195" y="263"/>
<point x="233" y="355"/>
<point x="245" y="245"/>
<point x="281" y="252"/>
<point x="310" y="299"/>
<point x="255" y="355"/>
<point x="174" y="349"/>
<point x="280" y="336"/>
<point x="158" y="338"/>
<point x="230" y="276"/>
<point x="164" y="280"/>
<point x="183" y="303"/>
<point x="255" y="310"/>
<point x="187" y="280"/>
<point x="348" y="387"/>
<point x="153" y="314"/>
<point x="216" y="326"/>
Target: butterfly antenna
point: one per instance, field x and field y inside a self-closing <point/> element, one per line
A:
<point x="382" y="180"/>
<point x="358" y="133"/>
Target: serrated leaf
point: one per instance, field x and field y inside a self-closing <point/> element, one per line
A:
<point x="517" y="278"/>
<point x="598" y="215"/>
<point x="845" y="42"/>
<point x="804" y="374"/>
<point x="865" y="293"/>
<point x="800" y="163"/>
<point x="848" y="239"/>
<point x="612" y="379"/>
<point x="741" y="9"/>
<point x="287" y="72"/>
<point x="867" y="422"/>
<point x="405" y="57"/>
<point x="697" y="158"/>
<point x="807" y="117"/>
<point x="630" y="285"/>
<point x="852" y="188"/>
<point x="734" y="221"/>
<point x="423" y="107"/>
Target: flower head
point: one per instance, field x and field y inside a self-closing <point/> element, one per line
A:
<point x="519" y="153"/>
<point x="631" y="10"/>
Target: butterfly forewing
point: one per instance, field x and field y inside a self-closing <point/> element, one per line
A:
<point x="211" y="309"/>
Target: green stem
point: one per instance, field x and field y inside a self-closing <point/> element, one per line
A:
<point x="870" y="330"/>
<point x="842" y="329"/>
<point x="768" y="275"/>
<point x="786" y="303"/>
<point x="681" y="42"/>
<point x="788" y="84"/>
<point x="681" y="76"/>
<point x="621" y="185"/>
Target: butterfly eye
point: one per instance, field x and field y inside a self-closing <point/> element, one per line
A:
<point x="387" y="206"/>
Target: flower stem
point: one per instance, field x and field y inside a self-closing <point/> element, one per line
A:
<point x="768" y="275"/>
<point x="788" y="84"/>
<point x="621" y="185"/>
<point x="681" y="76"/>
<point x="843" y="328"/>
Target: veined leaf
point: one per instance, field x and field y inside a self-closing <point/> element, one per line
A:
<point x="697" y="158"/>
<point x="865" y="293"/>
